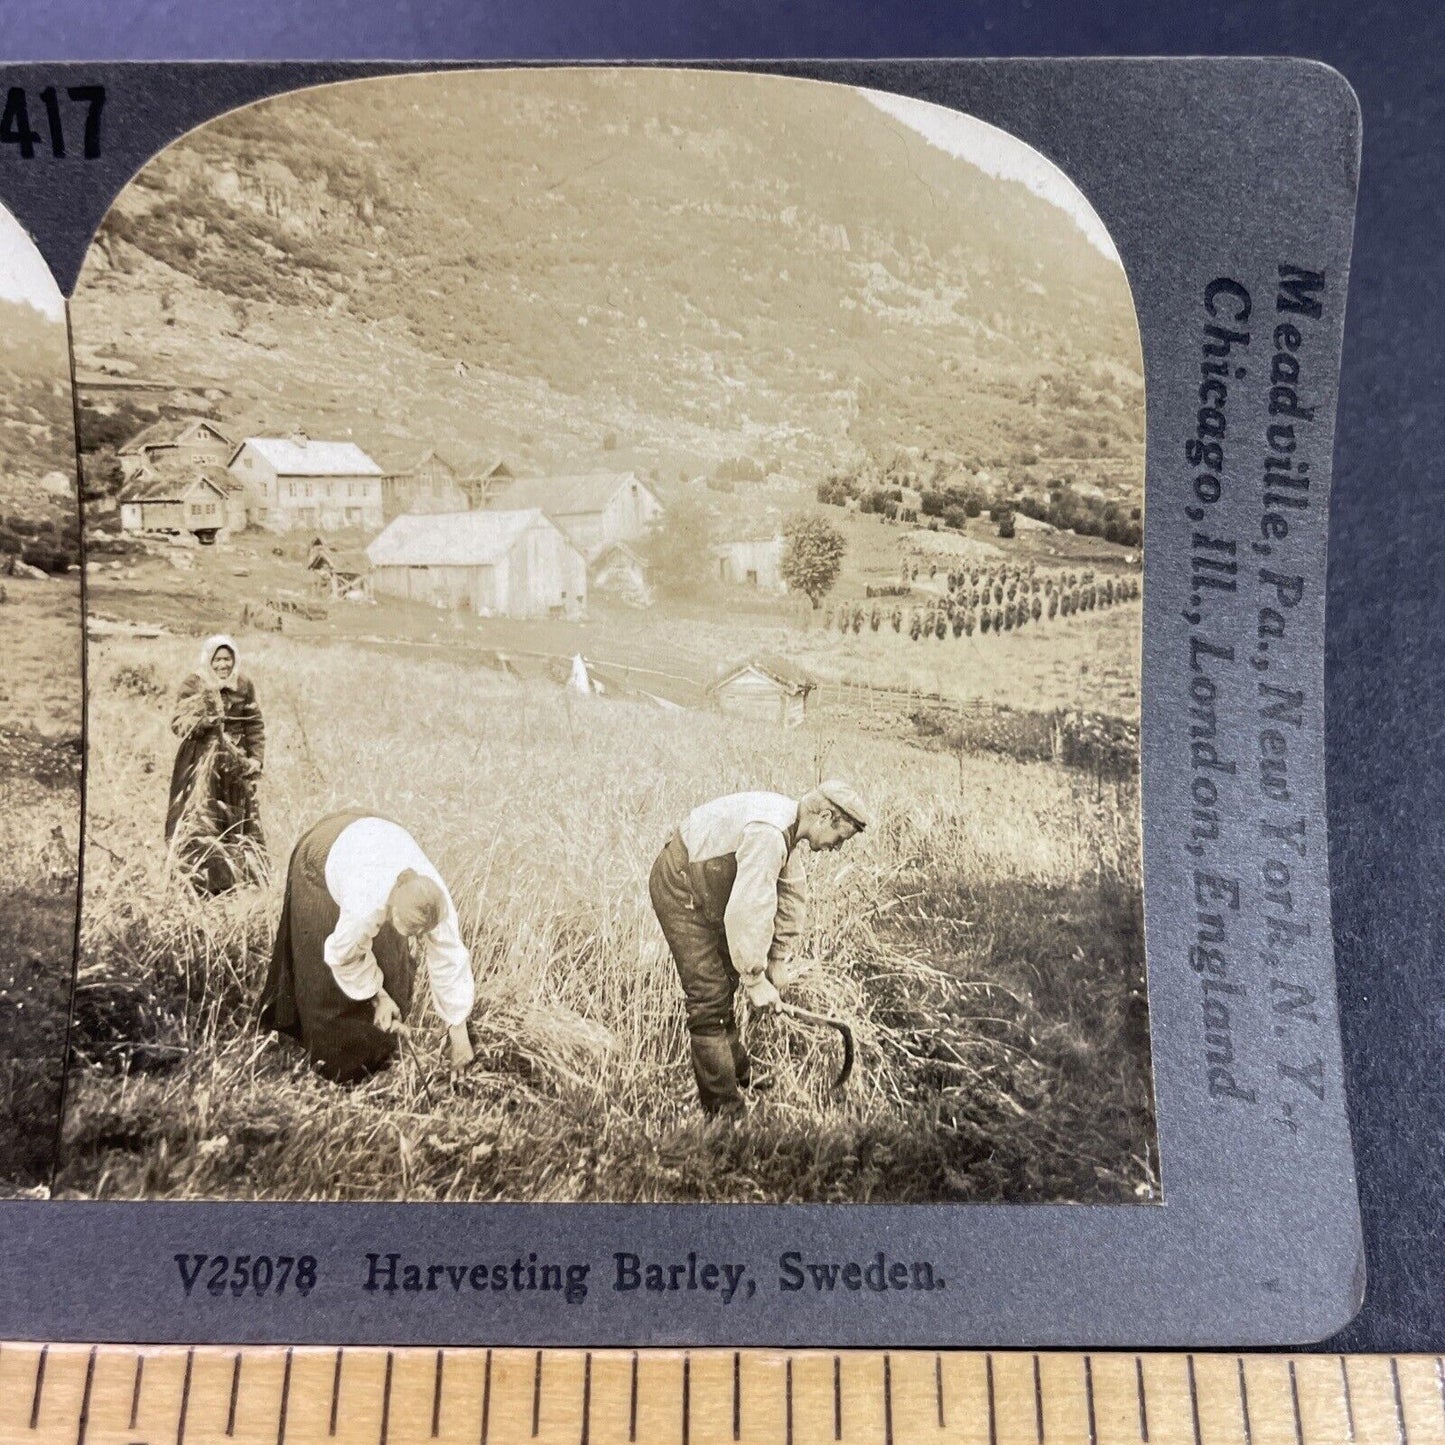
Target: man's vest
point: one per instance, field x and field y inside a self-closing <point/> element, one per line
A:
<point x="711" y="881"/>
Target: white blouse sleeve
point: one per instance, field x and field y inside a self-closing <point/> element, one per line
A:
<point x="449" y="970"/>
<point x="348" y="953"/>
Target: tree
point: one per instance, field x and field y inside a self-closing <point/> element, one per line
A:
<point x="812" y="555"/>
<point x="676" y="549"/>
<point x="103" y="474"/>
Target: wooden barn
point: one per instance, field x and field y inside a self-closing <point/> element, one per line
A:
<point x="304" y="483"/>
<point x="443" y="479"/>
<point x="494" y="564"/>
<point x="768" y="688"/>
<point x="592" y="509"/>
<point x="197" y="442"/>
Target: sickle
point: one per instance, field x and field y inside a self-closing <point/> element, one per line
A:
<point x="824" y="1021"/>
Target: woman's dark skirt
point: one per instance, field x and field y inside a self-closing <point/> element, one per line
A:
<point x="301" y="997"/>
<point x="213" y="807"/>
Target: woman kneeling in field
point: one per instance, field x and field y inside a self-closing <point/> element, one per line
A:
<point x="359" y="890"/>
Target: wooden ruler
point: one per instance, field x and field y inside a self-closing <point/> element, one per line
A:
<point x="122" y="1395"/>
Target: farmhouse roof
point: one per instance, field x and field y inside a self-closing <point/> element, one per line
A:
<point x="745" y="537"/>
<point x="157" y="434"/>
<point x="167" y="433"/>
<point x="301" y="457"/>
<point x="464" y="464"/>
<point x="569" y="496"/>
<point x="170" y="484"/>
<point x="786" y="674"/>
<point x="326" y="558"/>
<point x="451" y="539"/>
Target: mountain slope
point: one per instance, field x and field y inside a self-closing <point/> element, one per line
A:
<point x="36" y="426"/>
<point x="701" y="265"/>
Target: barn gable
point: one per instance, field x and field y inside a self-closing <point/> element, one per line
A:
<point x="587" y="493"/>
<point x="592" y="508"/>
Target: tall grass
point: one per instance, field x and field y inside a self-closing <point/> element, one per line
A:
<point x="984" y="939"/>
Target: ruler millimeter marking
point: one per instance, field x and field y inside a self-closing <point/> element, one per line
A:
<point x="124" y="1395"/>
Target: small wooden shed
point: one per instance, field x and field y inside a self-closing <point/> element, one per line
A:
<point x="340" y="574"/>
<point x="615" y="568"/>
<point x="768" y="688"/>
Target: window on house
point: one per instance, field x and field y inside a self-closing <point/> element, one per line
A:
<point x="247" y="462"/>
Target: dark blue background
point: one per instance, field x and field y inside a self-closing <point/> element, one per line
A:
<point x="1386" y="679"/>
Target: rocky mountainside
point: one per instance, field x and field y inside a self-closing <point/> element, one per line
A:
<point x="36" y="427"/>
<point x="676" y="267"/>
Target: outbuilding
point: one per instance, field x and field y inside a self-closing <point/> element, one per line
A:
<point x="593" y="508"/>
<point x="615" y="568"/>
<point x="509" y="564"/>
<point x="176" y="501"/>
<point x="768" y="688"/>
<point x="444" y="479"/>
<point x="755" y="562"/>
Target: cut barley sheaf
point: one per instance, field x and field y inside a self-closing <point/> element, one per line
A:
<point x="984" y="941"/>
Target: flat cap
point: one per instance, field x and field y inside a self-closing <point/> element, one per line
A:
<point x="847" y="800"/>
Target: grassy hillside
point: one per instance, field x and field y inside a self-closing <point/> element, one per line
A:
<point x="673" y="268"/>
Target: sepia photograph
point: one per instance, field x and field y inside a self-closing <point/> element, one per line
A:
<point x="41" y="701"/>
<point x="613" y="654"/>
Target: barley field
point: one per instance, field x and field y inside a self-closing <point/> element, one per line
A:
<point x="985" y="939"/>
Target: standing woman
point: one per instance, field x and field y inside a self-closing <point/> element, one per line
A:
<point x="363" y="904"/>
<point x="213" y="822"/>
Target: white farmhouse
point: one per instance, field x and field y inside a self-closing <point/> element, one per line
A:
<point x="303" y="483"/>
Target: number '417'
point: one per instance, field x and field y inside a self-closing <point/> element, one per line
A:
<point x="15" y="128"/>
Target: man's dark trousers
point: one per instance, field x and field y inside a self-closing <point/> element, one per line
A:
<point x="690" y="900"/>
